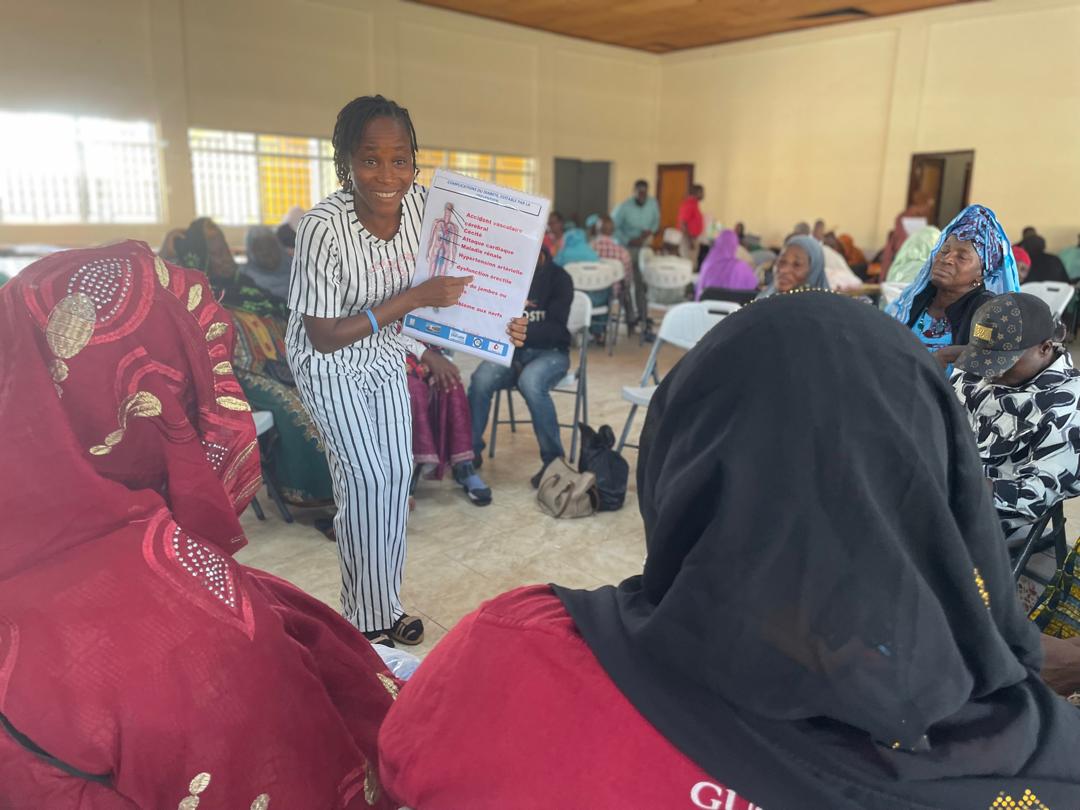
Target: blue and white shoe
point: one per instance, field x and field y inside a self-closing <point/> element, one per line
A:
<point x="475" y="488"/>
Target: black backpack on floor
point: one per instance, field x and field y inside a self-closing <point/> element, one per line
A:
<point x="612" y="472"/>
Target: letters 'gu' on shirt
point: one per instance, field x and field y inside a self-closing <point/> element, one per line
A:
<point x="341" y="269"/>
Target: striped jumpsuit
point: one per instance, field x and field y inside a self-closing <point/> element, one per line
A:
<point x="358" y="396"/>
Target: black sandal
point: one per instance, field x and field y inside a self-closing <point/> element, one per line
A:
<point x="379" y="637"/>
<point x="407" y="630"/>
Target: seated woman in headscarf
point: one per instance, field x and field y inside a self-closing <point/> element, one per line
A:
<point x="442" y="430"/>
<point x="971" y="263"/>
<point x="261" y="363"/>
<point x="801" y="266"/>
<point x="722" y="269"/>
<point x="841" y="650"/>
<point x="286" y="231"/>
<point x="837" y="271"/>
<point x="921" y="208"/>
<point x="1044" y="266"/>
<point x="852" y="254"/>
<point x="1023" y="263"/>
<point x="268" y="265"/>
<point x="575" y="248"/>
<point x="141" y="666"/>
<point x="167" y="251"/>
<point x="911" y="257"/>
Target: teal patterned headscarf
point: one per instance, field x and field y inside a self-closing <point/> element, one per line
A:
<point x="976" y="224"/>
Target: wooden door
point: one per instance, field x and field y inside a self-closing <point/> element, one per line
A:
<point x="673" y="181"/>
<point x="925" y="181"/>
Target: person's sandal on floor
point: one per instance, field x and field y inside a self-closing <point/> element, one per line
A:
<point x="379" y="637"/>
<point x="477" y="491"/>
<point x="408" y="630"/>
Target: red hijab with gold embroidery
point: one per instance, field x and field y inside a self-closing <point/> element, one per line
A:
<point x="135" y="653"/>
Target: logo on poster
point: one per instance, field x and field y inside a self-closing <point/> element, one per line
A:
<point x="478" y="342"/>
<point x="458" y="337"/>
<point x="495" y="348"/>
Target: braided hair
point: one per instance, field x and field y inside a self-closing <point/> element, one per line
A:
<point x="349" y="129"/>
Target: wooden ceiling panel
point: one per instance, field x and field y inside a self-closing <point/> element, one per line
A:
<point x="662" y="26"/>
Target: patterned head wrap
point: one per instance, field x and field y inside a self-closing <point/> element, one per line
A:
<point x="976" y="224"/>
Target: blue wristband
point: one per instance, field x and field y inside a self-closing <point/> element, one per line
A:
<point x="374" y="323"/>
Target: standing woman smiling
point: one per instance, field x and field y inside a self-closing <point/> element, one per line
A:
<point x="352" y="270"/>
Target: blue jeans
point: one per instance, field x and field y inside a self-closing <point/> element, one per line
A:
<point x="543" y="369"/>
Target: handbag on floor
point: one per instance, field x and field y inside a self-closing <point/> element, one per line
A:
<point x="612" y="471"/>
<point x="566" y="493"/>
<point x="1057" y="612"/>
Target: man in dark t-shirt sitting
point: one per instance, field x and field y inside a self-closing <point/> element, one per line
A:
<point x="538" y="366"/>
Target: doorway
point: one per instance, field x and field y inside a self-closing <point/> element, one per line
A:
<point x="673" y="181"/>
<point x="582" y="187"/>
<point x="945" y="178"/>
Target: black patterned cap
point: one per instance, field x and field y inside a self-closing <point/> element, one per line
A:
<point x="1003" y="329"/>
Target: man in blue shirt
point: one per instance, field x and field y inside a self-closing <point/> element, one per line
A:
<point x="636" y="220"/>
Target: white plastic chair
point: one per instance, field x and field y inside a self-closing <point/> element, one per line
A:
<point x="1056" y="294"/>
<point x="596" y="277"/>
<point x="683" y="326"/>
<point x="890" y="291"/>
<point x="575" y="382"/>
<point x="267" y="437"/>
<point x="667" y="273"/>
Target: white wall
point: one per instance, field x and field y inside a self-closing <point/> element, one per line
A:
<point x="824" y="122"/>
<point x="288" y="66"/>
<point x="783" y="128"/>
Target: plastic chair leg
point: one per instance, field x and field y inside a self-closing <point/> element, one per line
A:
<point x="256" y="507"/>
<point x="510" y="407"/>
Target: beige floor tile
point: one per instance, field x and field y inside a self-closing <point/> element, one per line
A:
<point x="460" y="555"/>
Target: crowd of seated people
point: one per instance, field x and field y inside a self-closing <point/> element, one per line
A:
<point x="890" y="666"/>
<point x="445" y="433"/>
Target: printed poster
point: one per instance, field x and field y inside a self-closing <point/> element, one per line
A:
<point x="492" y="233"/>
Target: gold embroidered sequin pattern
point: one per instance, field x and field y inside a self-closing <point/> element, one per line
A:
<point x="262" y="801"/>
<point x="207" y="566"/>
<point x="162" y="271"/>
<point x="233" y="403"/>
<point x="199" y="783"/>
<point x="980" y="583"/>
<point x="141" y="403"/>
<point x="1029" y="801"/>
<point x="70" y="327"/>
<point x="194" y="297"/>
<point x="224" y="367"/>
<point x="71" y="324"/>
<point x="215" y="331"/>
<point x="388" y="684"/>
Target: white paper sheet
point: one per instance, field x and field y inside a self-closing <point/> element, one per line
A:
<point x="492" y="233"/>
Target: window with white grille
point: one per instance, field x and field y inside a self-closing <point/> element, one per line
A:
<point x="60" y="169"/>
<point x="243" y="178"/>
<point x="505" y="170"/>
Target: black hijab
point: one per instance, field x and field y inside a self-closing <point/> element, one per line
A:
<point x="826" y="619"/>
